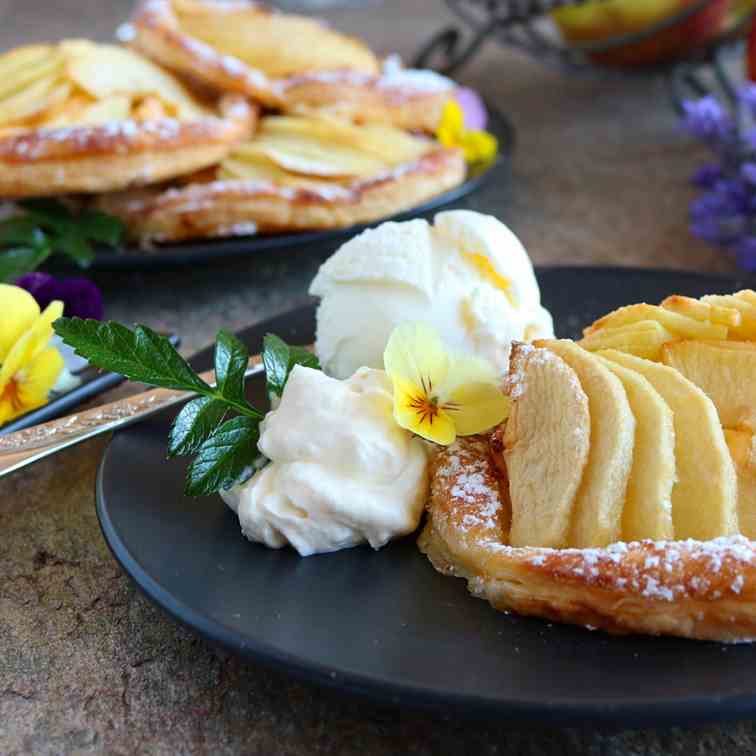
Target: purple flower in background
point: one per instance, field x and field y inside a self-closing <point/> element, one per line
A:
<point x="473" y="108"/>
<point x="747" y="96"/>
<point x="724" y="214"/>
<point x="79" y="295"/>
<point x="707" y="175"/>
<point x="745" y="252"/>
<point x="707" y="120"/>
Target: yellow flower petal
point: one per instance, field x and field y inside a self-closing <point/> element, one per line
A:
<point x="452" y="118"/>
<point x="416" y="354"/>
<point x="479" y="146"/>
<point x="30" y="387"/>
<point x="30" y="344"/>
<point x="19" y="310"/>
<point x="413" y="413"/>
<point x="477" y="407"/>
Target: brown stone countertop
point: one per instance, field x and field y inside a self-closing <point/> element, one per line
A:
<point x="87" y="665"/>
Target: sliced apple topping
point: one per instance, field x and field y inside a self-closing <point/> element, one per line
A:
<point x="643" y="339"/>
<point x="747" y="327"/>
<point x="725" y="370"/>
<point x="297" y="151"/>
<point x="703" y="311"/>
<point x="78" y="82"/>
<point x="704" y="498"/>
<point x="742" y="446"/>
<point x="546" y="443"/>
<point x="679" y="325"/>
<point x="598" y="506"/>
<point x="277" y="44"/>
<point x="647" y="511"/>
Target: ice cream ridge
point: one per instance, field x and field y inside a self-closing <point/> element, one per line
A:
<point x="467" y="275"/>
<point x="414" y="332"/>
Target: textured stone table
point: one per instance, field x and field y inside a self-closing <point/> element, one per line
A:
<point x="87" y="666"/>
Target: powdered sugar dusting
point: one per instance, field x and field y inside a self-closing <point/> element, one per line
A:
<point x="660" y="571"/>
<point x="472" y="485"/>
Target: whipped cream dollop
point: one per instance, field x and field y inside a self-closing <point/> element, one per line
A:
<point x="467" y="275"/>
<point x="341" y="470"/>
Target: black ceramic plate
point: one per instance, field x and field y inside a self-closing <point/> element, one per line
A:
<point x="205" y="251"/>
<point x="385" y="623"/>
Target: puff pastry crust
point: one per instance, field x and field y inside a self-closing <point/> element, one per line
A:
<point x="363" y="99"/>
<point x="240" y="207"/>
<point x="114" y="156"/>
<point x="692" y="589"/>
<point x="353" y="88"/>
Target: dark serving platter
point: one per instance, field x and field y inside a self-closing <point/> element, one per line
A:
<point x="385" y="624"/>
<point x="208" y="250"/>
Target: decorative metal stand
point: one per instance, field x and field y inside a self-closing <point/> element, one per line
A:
<point x="523" y="24"/>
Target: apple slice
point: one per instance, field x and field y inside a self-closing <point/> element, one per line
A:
<point x="704" y="499"/>
<point x="15" y="77"/>
<point x="279" y="44"/>
<point x="679" y="325"/>
<point x="724" y="370"/>
<point x="748" y="295"/>
<point x="648" y="503"/>
<point x="643" y="339"/>
<point x="30" y="101"/>
<point x="546" y="442"/>
<point x="597" y="516"/>
<point x="106" y="70"/>
<point x="113" y="108"/>
<point x="703" y="311"/>
<point x="742" y="446"/>
<point x="385" y="142"/>
<point x="747" y="328"/>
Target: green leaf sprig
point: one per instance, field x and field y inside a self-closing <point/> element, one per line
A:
<point x="46" y="227"/>
<point x="218" y="426"/>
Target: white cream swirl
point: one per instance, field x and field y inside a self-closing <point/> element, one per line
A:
<point x="342" y="471"/>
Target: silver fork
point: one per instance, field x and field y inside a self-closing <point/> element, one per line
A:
<point x="20" y="449"/>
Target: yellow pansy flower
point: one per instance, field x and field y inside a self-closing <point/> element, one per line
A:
<point x="477" y="146"/>
<point x="438" y="395"/>
<point x="29" y="366"/>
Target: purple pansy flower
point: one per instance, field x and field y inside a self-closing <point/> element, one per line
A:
<point x="80" y="296"/>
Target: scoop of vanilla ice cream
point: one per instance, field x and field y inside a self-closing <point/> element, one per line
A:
<point x="467" y="275"/>
<point x="342" y="471"/>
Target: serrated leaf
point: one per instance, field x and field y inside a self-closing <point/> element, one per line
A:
<point x="21" y="229"/>
<point x="75" y="247"/>
<point x="300" y="356"/>
<point x="101" y="227"/>
<point x="196" y="422"/>
<point x="279" y="359"/>
<point x="140" y="355"/>
<point x="225" y="459"/>
<point x="16" y="261"/>
<point x="231" y="360"/>
<point x="276" y="354"/>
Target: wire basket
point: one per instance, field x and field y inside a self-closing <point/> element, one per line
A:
<point x="526" y="25"/>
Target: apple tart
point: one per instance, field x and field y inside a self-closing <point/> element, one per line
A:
<point x="621" y="491"/>
<point x="287" y="62"/>
<point x="83" y="117"/>
<point x="295" y="174"/>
